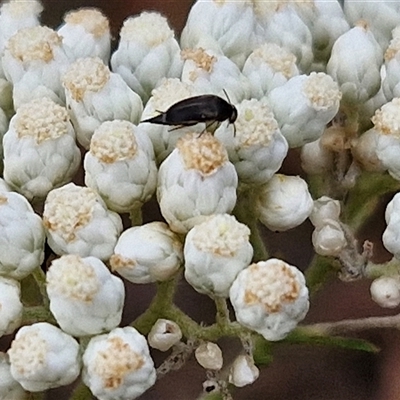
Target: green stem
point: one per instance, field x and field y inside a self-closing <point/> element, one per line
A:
<point x="160" y="306"/>
<point x="40" y="278"/>
<point x="136" y="216"/>
<point x="222" y="316"/>
<point x="37" y="314"/>
<point x="81" y="392"/>
<point x="244" y="212"/>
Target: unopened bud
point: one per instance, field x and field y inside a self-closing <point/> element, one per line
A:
<point x="209" y="356"/>
<point x="164" y="334"/>
<point x="243" y="371"/>
<point x="386" y="292"/>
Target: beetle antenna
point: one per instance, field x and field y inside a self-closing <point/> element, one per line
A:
<point x="226" y="94"/>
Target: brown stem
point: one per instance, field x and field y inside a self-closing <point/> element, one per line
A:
<point x="354" y="325"/>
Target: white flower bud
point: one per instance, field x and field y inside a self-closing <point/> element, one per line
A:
<point x="328" y="238"/>
<point x="147" y="253"/>
<point x="118" y="365"/>
<point x="209" y="356"/>
<point x="364" y="151"/>
<point x="215" y="251"/>
<point x="268" y="67"/>
<point x="120" y="166"/>
<point x="42" y="357"/>
<point x="22" y="239"/>
<point x="86" y="33"/>
<point x="304" y="105"/>
<point x="164" y="139"/>
<point x="391" y="235"/>
<point x="94" y="94"/>
<point x="315" y="158"/>
<point x="270" y="297"/>
<point x="225" y="25"/>
<point x="34" y="61"/>
<point x="6" y="101"/>
<point x="355" y="64"/>
<point x="258" y="148"/>
<point x="78" y="222"/>
<point x="391" y="81"/>
<point x="15" y="15"/>
<point x="85" y="298"/>
<point x="386" y="291"/>
<point x="213" y="73"/>
<point x="194" y="181"/>
<point x="284" y="202"/>
<point x="282" y="25"/>
<point x="326" y="22"/>
<point x="164" y="334"/>
<point x="147" y="52"/>
<point x="387" y="146"/>
<point x="40" y="130"/>
<point x="243" y="371"/>
<point x="10" y="389"/>
<point x="381" y="15"/>
<point x="10" y="306"/>
<point x="324" y="208"/>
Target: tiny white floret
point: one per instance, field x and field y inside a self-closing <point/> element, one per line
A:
<point x="270" y="297"/>
<point x="42" y="357"/>
<point x="118" y="365"/>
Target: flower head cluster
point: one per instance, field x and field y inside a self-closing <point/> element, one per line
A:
<point x="306" y="78"/>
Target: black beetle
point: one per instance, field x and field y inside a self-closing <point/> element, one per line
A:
<point x="205" y="108"/>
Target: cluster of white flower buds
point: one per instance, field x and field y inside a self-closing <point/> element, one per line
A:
<point x="328" y="237"/>
<point x="310" y="78"/>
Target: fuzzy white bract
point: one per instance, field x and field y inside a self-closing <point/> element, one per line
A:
<point x="78" y="222"/>
<point x="268" y="67"/>
<point x="147" y="253"/>
<point x="85" y="298"/>
<point x="355" y="64"/>
<point x="10" y="389"/>
<point x="391" y="235"/>
<point x="22" y="239"/>
<point x="194" y="181"/>
<point x="15" y="15"/>
<point x="118" y="365"/>
<point x="258" y="148"/>
<point x="147" y="52"/>
<point x="380" y="15"/>
<point x="10" y="306"/>
<point x="120" y="166"/>
<point x="94" y="94"/>
<point x="86" y="33"/>
<point x="223" y="26"/>
<point x="387" y="145"/>
<point x="270" y="297"/>
<point x="33" y="61"/>
<point x="304" y="105"/>
<point x="278" y="22"/>
<point x="284" y="202"/>
<point x="215" y="251"/>
<point x="212" y="73"/>
<point x="42" y="357"/>
<point x="315" y="158"/>
<point x="40" y="152"/>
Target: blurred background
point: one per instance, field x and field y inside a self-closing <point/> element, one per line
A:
<point x="299" y="372"/>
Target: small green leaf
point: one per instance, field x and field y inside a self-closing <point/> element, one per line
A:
<point x="298" y="336"/>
